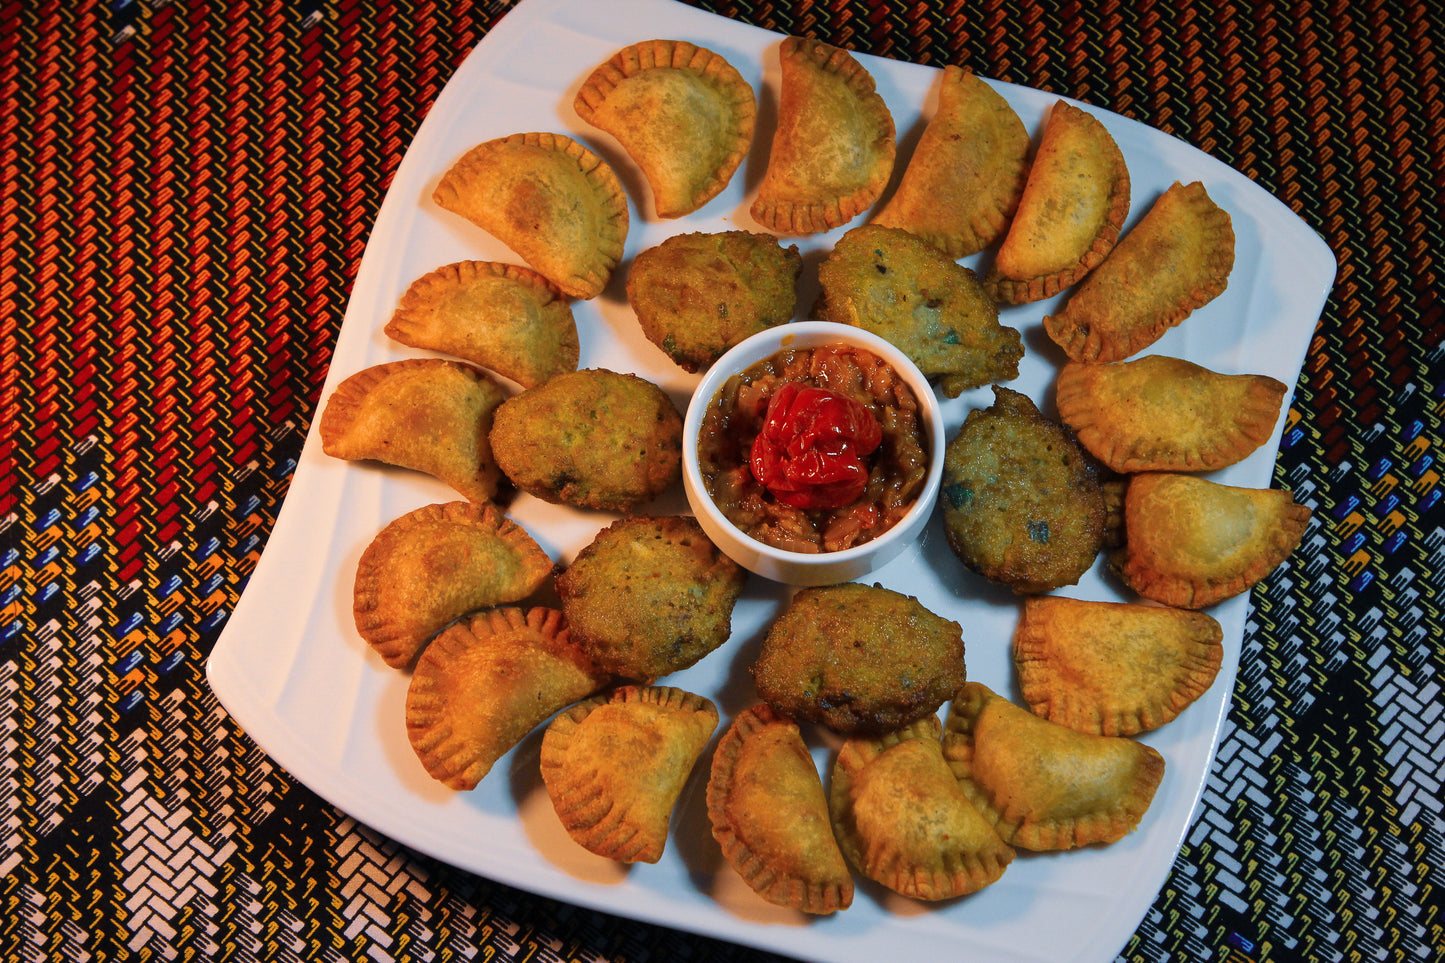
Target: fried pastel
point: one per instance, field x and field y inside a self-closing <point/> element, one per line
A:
<point x="649" y="596"/>
<point x="1022" y="503"/>
<point x="1113" y="668"/>
<point x="964" y="180"/>
<point x="1072" y="209"/>
<point x="697" y="295"/>
<point x="833" y="151"/>
<point x="1176" y="259"/>
<point x="1190" y="542"/>
<point x="1166" y="414"/>
<point x="683" y="114"/>
<point x="903" y="820"/>
<point x="859" y="659"/>
<point x="427" y="414"/>
<point x="769" y="815"/>
<point x="501" y="316"/>
<point x="486" y="682"/>
<point x="615" y="764"/>
<point x="438" y="563"/>
<point x="1045" y="786"/>
<point x="592" y="439"/>
<point x="906" y="291"/>
<point x="549" y="199"/>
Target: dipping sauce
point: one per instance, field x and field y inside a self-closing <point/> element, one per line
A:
<point x="814" y="449"/>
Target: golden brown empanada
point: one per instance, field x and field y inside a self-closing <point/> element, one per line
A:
<point x="1046" y="786"/>
<point x="427" y="414"/>
<point x="1190" y="542"/>
<point x="965" y="178"/>
<point x="833" y="151"/>
<point x="501" y="316"/>
<point x="770" y="815"/>
<point x="484" y="683"/>
<point x="548" y="198"/>
<point x="1167" y="414"/>
<point x="1113" y="668"/>
<point x="682" y="113"/>
<point x="1073" y="205"/>
<point x="615" y="764"/>
<point x="1177" y="258"/>
<point x="436" y="564"/>
<point x="903" y="820"/>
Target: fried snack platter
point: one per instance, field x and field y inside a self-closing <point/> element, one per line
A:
<point x="292" y="670"/>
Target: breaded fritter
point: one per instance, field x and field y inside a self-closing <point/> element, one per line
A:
<point x="696" y="295"/>
<point x="933" y="309"/>
<point x="859" y="659"/>
<point x="650" y="595"/>
<point x="592" y="438"/>
<point x="1022" y="502"/>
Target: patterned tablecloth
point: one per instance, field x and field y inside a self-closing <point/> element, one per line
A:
<point x="187" y="189"/>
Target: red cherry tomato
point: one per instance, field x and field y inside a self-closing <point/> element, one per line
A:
<point x="811" y="449"/>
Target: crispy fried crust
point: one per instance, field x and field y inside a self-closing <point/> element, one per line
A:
<point x="964" y="180"/>
<point x="1167" y="414"/>
<point x="1176" y="259"/>
<point x="682" y="113"/>
<point x="833" y="151"/>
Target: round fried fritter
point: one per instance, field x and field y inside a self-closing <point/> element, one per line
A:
<point x="650" y="595"/>
<point x="592" y="438"/>
<point x="934" y="310"/>
<point x="859" y="659"/>
<point x="696" y="295"/>
<point x="1022" y="503"/>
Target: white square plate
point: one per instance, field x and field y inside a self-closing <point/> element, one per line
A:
<point x="292" y="671"/>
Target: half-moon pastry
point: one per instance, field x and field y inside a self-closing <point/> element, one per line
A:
<point x="682" y="113"/>
<point x="548" y="198"/>
<point x="1190" y="542"/>
<point x="1113" y="668"/>
<point x="484" y="683"/>
<point x="1046" y="786"/>
<point x="1166" y="414"/>
<point x="903" y="820"/>
<point x="769" y="815"/>
<point x="965" y="178"/>
<point x="833" y="151"/>
<point x="908" y="292"/>
<point x="436" y="564"/>
<point x="501" y="316"/>
<point x="649" y="596"/>
<point x="427" y="414"/>
<point x="1177" y="258"/>
<point x="615" y="764"/>
<point x="1073" y="206"/>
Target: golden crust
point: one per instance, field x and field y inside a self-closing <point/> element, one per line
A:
<point x="548" y="198"/>
<point x="887" y="281"/>
<point x="964" y="180"/>
<point x="436" y="564"/>
<point x="1073" y="206"/>
<point x="903" y="820"/>
<point x="501" y="316"/>
<point x="1167" y="414"/>
<point x="1045" y="786"/>
<point x="833" y="151"/>
<point x="1176" y="259"/>
<point x="484" y="683"/>
<point x="1113" y="668"/>
<point x="682" y="113"/>
<point x="427" y="414"/>
<point x="615" y="764"/>
<point x="769" y="815"/>
<point x="1190" y="542"/>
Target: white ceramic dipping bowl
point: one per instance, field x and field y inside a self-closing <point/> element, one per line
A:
<point x="798" y="568"/>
